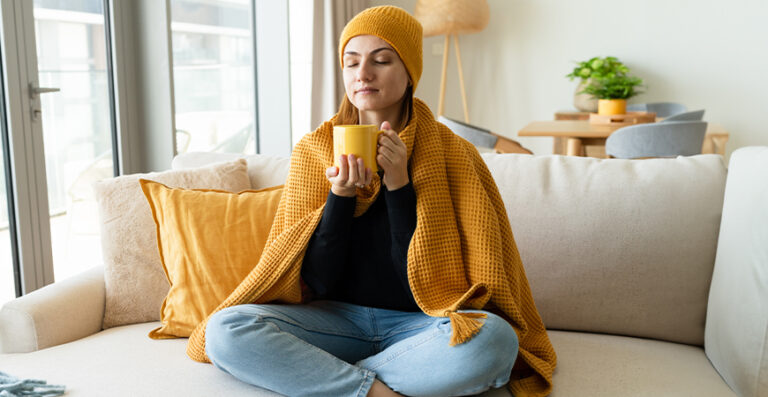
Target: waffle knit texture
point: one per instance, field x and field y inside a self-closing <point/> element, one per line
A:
<point x="395" y="26"/>
<point x="462" y="255"/>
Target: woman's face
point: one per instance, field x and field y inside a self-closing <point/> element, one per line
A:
<point x="374" y="76"/>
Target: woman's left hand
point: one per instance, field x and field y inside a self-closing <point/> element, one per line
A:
<point x="392" y="158"/>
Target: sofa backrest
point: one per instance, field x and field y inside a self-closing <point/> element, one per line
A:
<point x="612" y="246"/>
<point x="616" y="246"/>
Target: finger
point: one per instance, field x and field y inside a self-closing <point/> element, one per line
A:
<point x="360" y="170"/>
<point x="395" y="138"/>
<point x="386" y="126"/>
<point x="385" y="140"/>
<point x="387" y="153"/>
<point x="331" y="172"/>
<point x="368" y="176"/>
<point x="353" y="174"/>
<point x="383" y="161"/>
<point x="389" y="143"/>
<point x="389" y="133"/>
<point x="343" y="169"/>
<point x="391" y="139"/>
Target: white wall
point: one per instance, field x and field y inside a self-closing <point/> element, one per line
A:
<point x="710" y="54"/>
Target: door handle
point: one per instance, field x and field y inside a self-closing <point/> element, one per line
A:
<point x="35" y="91"/>
<point x="34" y="94"/>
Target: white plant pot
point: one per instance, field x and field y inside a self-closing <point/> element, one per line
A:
<point x="584" y="102"/>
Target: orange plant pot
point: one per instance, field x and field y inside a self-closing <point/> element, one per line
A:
<point x="607" y="107"/>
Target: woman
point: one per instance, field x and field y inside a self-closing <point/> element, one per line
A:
<point x="399" y="265"/>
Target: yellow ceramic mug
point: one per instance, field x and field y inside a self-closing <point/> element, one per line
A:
<point x="360" y="140"/>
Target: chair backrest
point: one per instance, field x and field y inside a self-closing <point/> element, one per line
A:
<point x="475" y="135"/>
<point x="670" y="139"/>
<point x="662" y="109"/>
<point x="694" y="115"/>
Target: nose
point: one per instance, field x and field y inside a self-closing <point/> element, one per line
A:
<point x="364" y="71"/>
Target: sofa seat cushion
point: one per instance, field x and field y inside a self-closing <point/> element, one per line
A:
<point x="597" y="365"/>
<point x="123" y="361"/>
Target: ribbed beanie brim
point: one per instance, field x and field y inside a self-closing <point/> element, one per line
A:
<point x="395" y="26"/>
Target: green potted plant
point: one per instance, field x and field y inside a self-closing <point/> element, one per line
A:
<point x="608" y="81"/>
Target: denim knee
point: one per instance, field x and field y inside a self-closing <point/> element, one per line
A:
<point x="221" y="332"/>
<point x="215" y="334"/>
<point x="502" y="344"/>
<point x="485" y="361"/>
<point x="493" y="352"/>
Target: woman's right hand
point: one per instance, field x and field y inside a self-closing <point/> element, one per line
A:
<point x="348" y="176"/>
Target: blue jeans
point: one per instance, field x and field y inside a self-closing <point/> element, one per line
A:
<point x="328" y="348"/>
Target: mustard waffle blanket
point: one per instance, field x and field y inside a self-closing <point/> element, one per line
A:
<point x="462" y="255"/>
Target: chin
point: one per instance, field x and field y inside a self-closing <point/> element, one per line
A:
<point x="365" y="106"/>
<point x="368" y="105"/>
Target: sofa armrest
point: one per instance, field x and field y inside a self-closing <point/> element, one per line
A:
<point x="736" y="334"/>
<point x="58" y="313"/>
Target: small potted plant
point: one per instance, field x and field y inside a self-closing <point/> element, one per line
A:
<point x="608" y="81"/>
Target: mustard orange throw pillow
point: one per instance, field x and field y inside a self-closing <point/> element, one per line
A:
<point x="209" y="240"/>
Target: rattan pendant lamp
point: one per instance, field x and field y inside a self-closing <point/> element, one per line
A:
<point x="451" y="18"/>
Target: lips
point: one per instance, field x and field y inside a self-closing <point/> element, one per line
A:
<point x="366" y="90"/>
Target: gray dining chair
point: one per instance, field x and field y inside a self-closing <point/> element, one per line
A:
<point x="670" y="139"/>
<point x="694" y="115"/>
<point x="662" y="109"/>
<point x="482" y="138"/>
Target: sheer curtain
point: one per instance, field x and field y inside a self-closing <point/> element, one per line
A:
<point x="329" y="19"/>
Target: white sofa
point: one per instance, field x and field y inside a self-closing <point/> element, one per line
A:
<point x="652" y="276"/>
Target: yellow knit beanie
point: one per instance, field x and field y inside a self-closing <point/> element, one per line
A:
<point x="395" y="26"/>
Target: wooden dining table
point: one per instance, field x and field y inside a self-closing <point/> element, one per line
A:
<point x="572" y="136"/>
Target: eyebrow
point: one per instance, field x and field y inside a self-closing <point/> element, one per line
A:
<point x="372" y="52"/>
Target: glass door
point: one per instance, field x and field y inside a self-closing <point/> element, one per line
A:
<point x="58" y="137"/>
<point x="71" y="42"/>
<point x="7" y="267"/>
<point x="8" y="258"/>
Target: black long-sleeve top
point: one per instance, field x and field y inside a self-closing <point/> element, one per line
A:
<point x="364" y="260"/>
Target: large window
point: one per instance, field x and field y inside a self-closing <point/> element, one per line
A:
<point x="60" y="124"/>
<point x="213" y="75"/>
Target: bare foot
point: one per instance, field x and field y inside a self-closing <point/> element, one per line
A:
<point x="379" y="389"/>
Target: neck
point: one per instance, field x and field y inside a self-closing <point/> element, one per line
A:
<point x="376" y="117"/>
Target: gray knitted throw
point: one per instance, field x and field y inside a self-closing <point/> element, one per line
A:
<point x="11" y="386"/>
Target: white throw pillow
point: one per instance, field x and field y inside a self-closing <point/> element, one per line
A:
<point x="263" y="169"/>
<point x="133" y="274"/>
